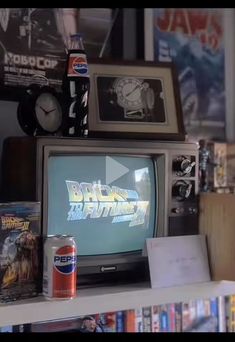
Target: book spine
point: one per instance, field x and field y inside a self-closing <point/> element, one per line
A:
<point x="110" y="322"/>
<point x="178" y="317"/>
<point x="171" y="317"/>
<point x="207" y="305"/>
<point x="164" y="319"/>
<point x="221" y="314"/>
<point x="147" y="319"/>
<point x="120" y="321"/>
<point x="138" y="320"/>
<point x="185" y="316"/>
<point x="192" y="312"/>
<point x="130" y="321"/>
<point x="7" y="329"/>
<point x="155" y="318"/>
<point x="215" y="311"/>
<point x="200" y="308"/>
<point x="232" y="314"/>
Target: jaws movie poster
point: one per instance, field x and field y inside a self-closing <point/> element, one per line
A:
<point x="193" y="40"/>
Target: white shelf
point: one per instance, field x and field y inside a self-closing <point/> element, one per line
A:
<point x="104" y="299"/>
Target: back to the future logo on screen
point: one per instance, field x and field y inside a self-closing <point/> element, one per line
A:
<point x="89" y="200"/>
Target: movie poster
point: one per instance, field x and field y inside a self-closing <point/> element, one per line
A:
<point x="193" y="39"/>
<point x="32" y="47"/>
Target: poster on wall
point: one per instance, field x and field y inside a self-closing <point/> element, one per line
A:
<point x="32" y="47"/>
<point x="194" y="40"/>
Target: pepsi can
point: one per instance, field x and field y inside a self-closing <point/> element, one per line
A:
<point x="60" y="267"/>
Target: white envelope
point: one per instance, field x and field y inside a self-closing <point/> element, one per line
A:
<point x="178" y="260"/>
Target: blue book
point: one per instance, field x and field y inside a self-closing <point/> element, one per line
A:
<point x="6" y="328"/>
<point x="215" y="311"/>
<point x="164" y="318"/>
<point x="120" y="321"/>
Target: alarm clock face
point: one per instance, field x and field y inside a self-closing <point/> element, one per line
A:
<point x="128" y="90"/>
<point x="40" y="111"/>
<point x="48" y="112"/>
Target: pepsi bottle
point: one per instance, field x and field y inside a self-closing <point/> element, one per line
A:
<point x="75" y="88"/>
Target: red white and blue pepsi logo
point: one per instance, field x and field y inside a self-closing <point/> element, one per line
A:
<point x="79" y="65"/>
<point x="65" y="259"/>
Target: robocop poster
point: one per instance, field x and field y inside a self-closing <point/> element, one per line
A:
<point x="194" y="40"/>
<point x="32" y="47"/>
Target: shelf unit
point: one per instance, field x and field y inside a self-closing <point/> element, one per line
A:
<point x="105" y="299"/>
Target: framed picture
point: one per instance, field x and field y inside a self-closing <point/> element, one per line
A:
<point x="134" y="100"/>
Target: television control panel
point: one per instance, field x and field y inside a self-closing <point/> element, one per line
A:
<point x="183" y="191"/>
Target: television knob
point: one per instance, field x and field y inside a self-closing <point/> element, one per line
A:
<point x="177" y="210"/>
<point x="182" y="166"/>
<point x="181" y="190"/>
<point x="192" y="210"/>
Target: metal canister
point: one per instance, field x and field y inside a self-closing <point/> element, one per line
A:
<point x="60" y="267"/>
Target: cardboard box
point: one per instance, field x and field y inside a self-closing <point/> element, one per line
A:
<point x="216" y="221"/>
<point x="20" y="250"/>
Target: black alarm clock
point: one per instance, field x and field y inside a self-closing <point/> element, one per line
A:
<point x="40" y="111"/>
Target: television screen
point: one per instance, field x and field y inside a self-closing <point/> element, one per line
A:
<point x="107" y="202"/>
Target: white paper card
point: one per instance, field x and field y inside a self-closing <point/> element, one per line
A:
<point x="177" y="260"/>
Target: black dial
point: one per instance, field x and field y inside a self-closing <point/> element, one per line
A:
<point x="40" y="111"/>
<point x="181" y="190"/>
<point x="183" y="165"/>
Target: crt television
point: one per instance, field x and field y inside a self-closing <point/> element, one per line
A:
<point x="110" y="195"/>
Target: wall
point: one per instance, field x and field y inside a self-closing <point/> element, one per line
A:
<point x="8" y="121"/>
<point x="101" y="19"/>
<point x="94" y="24"/>
<point x="94" y="34"/>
